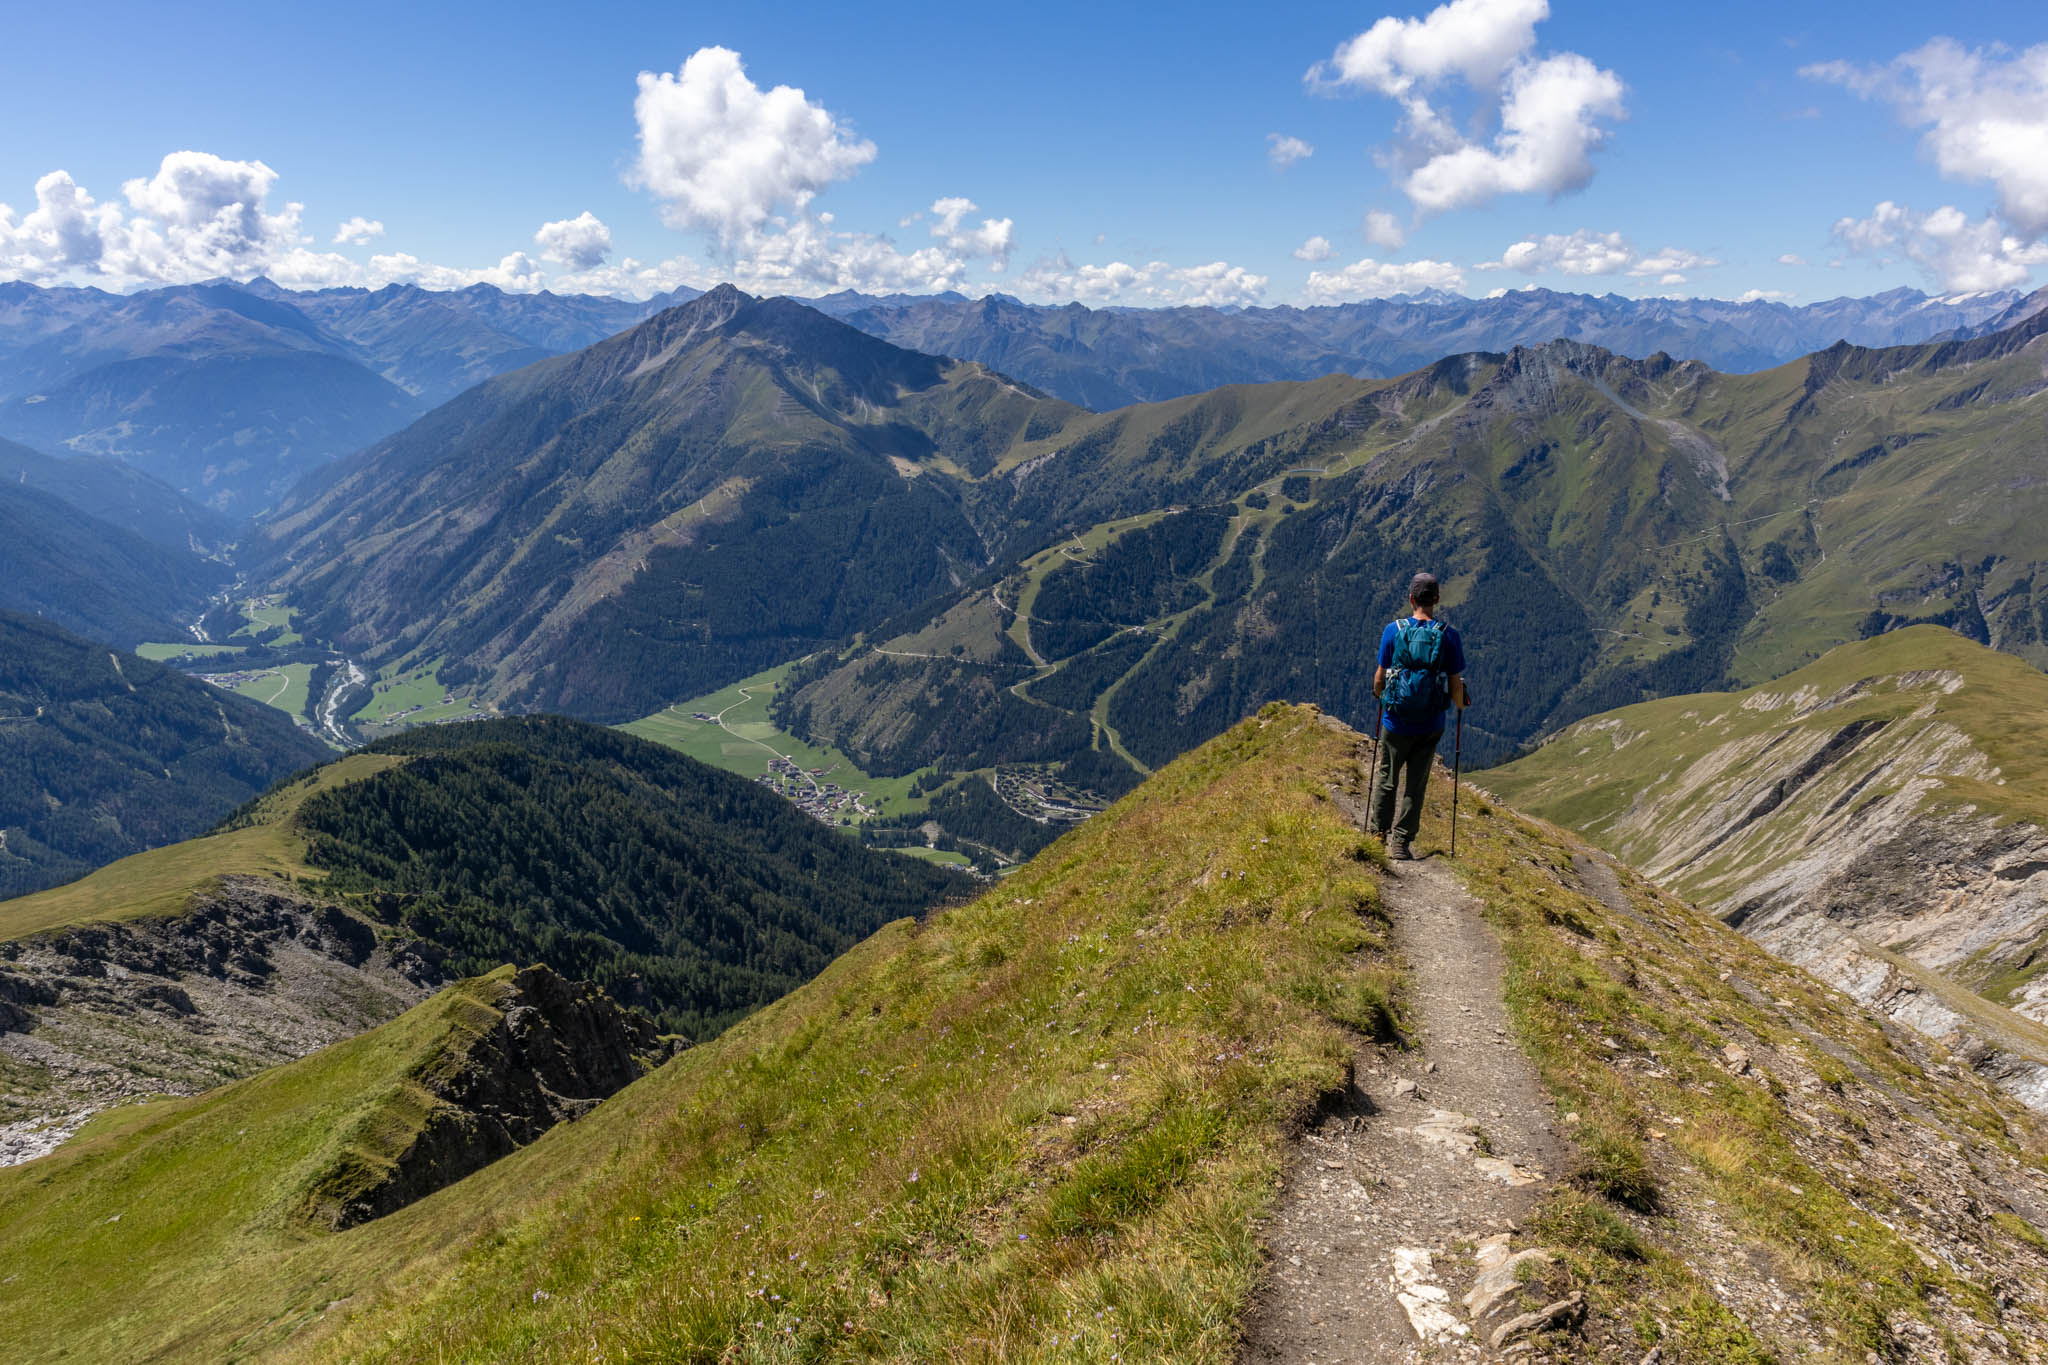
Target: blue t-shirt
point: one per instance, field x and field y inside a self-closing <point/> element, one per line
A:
<point x="1452" y="660"/>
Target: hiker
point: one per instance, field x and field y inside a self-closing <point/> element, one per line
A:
<point x="1420" y="676"/>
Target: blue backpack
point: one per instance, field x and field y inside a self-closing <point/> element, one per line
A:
<point x="1418" y="690"/>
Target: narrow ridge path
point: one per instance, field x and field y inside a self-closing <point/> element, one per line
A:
<point x="1436" y="1148"/>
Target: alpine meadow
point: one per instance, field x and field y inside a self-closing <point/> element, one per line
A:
<point x="1356" y="688"/>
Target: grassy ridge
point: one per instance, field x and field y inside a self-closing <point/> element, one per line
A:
<point x="1043" y="1123"/>
<point x="1048" y="1125"/>
<point x="140" y="1238"/>
<point x="262" y="843"/>
<point x="1596" y="774"/>
<point x="1045" y="1119"/>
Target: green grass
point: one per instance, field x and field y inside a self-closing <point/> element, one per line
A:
<point x="191" y="649"/>
<point x="138" y="1238"/>
<point x="161" y="880"/>
<point x="284" y="687"/>
<point x="1663" y="1127"/>
<point x="1043" y="1125"/>
<point x="392" y="699"/>
<point x="748" y="741"/>
<point x="937" y="855"/>
<point x="262" y="613"/>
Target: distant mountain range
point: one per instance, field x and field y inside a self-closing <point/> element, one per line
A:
<point x="1106" y="358"/>
<point x="230" y="392"/>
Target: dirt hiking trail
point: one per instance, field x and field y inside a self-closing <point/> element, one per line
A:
<point x="1413" y="1186"/>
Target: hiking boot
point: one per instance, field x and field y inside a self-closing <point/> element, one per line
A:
<point x="1399" y="853"/>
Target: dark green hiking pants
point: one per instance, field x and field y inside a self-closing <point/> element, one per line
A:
<point x="1405" y="756"/>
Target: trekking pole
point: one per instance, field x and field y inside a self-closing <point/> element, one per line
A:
<point x="1378" y="708"/>
<point x="1457" y="758"/>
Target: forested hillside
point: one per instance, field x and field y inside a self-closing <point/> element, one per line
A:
<point x="103" y="754"/>
<point x="682" y="890"/>
<point x="93" y="577"/>
<point x="1608" y="530"/>
<point x="119" y="494"/>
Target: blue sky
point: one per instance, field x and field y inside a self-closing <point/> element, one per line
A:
<point x="1116" y="154"/>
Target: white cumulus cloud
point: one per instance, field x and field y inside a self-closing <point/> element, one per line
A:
<point x="990" y="240"/>
<point x="1762" y="296"/>
<point x="1315" y="249"/>
<point x="1383" y="229"/>
<point x="1957" y="252"/>
<point x="1371" y="279"/>
<point x="1217" y="284"/>
<point x="1284" y="151"/>
<point x="357" y="231"/>
<point x="1585" y="252"/>
<point x="1546" y="112"/>
<point x="722" y="153"/>
<point x="579" y="243"/>
<point x="65" y="232"/>
<point x="1790" y="259"/>
<point x="1985" y="112"/>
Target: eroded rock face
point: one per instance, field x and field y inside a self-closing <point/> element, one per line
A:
<point x="1832" y="836"/>
<point x="557" y="1049"/>
<point x="256" y="973"/>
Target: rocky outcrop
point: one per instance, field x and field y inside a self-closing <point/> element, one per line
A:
<point x="551" y="1052"/>
<point x="1861" y="831"/>
<point x="255" y="973"/>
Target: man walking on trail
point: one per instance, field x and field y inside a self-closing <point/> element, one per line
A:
<point x="1421" y="674"/>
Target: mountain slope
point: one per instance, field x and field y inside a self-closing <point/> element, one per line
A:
<point x="709" y="493"/>
<point x="231" y="391"/>
<point x="1880" y="816"/>
<point x="102" y="754"/>
<point x="273" y="1160"/>
<point x="686" y="891"/>
<point x="120" y="495"/>
<point x="94" y="577"/>
<point x="680" y="889"/>
<point x="1052" y="1122"/>
<point x="1608" y="529"/>
<point x="232" y="428"/>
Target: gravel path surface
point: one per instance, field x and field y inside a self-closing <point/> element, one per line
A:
<point x="1437" y="1148"/>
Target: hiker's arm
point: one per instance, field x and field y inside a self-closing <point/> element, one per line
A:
<point x="1458" y="692"/>
<point x="1379" y="680"/>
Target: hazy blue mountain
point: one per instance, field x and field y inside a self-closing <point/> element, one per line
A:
<point x="1104" y="358"/>
<point x="95" y="578"/>
<point x="231" y="392"/>
<point x="120" y="494"/>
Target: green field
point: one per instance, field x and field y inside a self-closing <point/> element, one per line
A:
<point x="936" y="855"/>
<point x="262" y="613"/>
<point x="284" y="687"/>
<point x="747" y="740"/>
<point x="392" y="700"/>
<point x="189" y="649"/>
